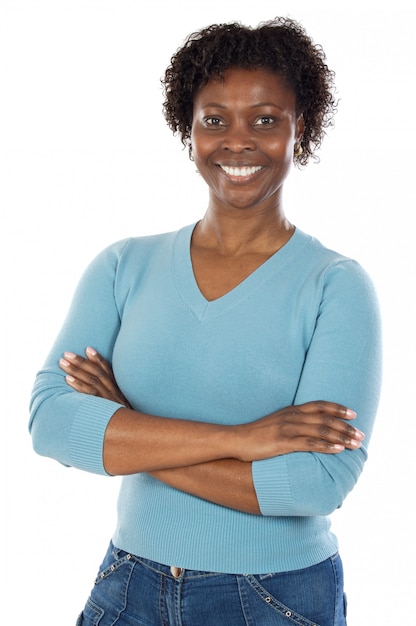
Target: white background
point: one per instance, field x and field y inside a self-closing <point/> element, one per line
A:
<point x="86" y="159"/>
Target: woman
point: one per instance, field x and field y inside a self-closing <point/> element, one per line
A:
<point x="235" y="367"/>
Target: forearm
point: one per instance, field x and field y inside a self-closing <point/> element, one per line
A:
<point x="136" y="442"/>
<point x="227" y="482"/>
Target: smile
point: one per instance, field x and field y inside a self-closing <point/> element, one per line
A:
<point x="241" y="171"/>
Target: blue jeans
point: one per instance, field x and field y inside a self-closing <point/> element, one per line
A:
<point x="131" y="591"/>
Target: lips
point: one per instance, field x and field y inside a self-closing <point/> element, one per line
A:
<point x="242" y="171"/>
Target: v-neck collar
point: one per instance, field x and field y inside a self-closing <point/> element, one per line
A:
<point x="187" y="285"/>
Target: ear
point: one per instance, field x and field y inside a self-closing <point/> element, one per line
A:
<point x="300" y="128"/>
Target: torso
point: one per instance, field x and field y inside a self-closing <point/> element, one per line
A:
<point x="218" y="274"/>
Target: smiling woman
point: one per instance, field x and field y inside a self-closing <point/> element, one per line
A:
<point x="229" y="371"/>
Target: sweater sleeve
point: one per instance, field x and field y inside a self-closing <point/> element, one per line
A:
<point x="343" y="365"/>
<point x="66" y="425"/>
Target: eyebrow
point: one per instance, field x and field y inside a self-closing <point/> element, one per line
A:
<point x="268" y="104"/>
<point x="254" y="106"/>
<point x="214" y="105"/>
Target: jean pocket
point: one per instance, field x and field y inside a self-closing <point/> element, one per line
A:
<point x="112" y="565"/>
<point x="271" y="607"/>
<point x="108" y="599"/>
<point x="91" y="615"/>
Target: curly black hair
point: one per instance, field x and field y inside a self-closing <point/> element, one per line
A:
<point x="280" y="45"/>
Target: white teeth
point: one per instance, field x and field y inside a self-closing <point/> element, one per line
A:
<point x="240" y="171"/>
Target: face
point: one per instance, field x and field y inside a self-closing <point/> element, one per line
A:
<point x="243" y="135"/>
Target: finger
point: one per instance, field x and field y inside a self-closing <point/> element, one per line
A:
<point x="330" y="414"/>
<point x="349" y="437"/>
<point x="325" y="434"/>
<point x="312" y="444"/>
<point x="328" y="408"/>
<point x="84" y="371"/>
<point x="95" y="366"/>
<point x="80" y="365"/>
<point x="327" y="427"/>
<point x="80" y="386"/>
<point x="337" y="424"/>
<point x="89" y="377"/>
<point x="95" y="357"/>
<point x="93" y="363"/>
<point x="108" y="379"/>
<point x="315" y="444"/>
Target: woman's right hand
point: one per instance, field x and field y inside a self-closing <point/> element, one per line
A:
<point x="311" y="427"/>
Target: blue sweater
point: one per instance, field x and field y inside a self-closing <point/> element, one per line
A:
<point x="304" y="326"/>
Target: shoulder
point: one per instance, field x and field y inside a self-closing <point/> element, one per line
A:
<point x="127" y="259"/>
<point x="318" y="253"/>
<point x="137" y="250"/>
<point x="327" y="261"/>
<point x="334" y="276"/>
<point x="133" y="246"/>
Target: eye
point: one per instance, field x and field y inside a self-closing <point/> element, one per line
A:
<point x="265" y="120"/>
<point x="213" y="121"/>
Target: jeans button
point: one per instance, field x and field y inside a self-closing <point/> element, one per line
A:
<point x="176" y="571"/>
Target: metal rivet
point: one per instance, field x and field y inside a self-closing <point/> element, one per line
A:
<point x="288" y="613"/>
<point x="268" y="599"/>
<point x="112" y="568"/>
<point x="128" y="557"/>
<point x="103" y="575"/>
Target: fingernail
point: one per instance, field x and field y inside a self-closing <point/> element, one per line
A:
<point x="359" y="434"/>
<point x="70" y="355"/>
<point x="64" y="362"/>
<point x="69" y="379"/>
<point x="91" y="351"/>
<point x="355" y="443"/>
<point x="351" y="413"/>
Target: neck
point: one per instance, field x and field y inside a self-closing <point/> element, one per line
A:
<point x="240" y="233"/>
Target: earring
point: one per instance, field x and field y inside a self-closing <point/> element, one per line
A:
<point x="191" y="156"/>
<point x="298" y="150"/>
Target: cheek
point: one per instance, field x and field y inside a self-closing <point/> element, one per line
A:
<point x="203" y="146"/>
<point x="284" y="147"/>
<point x="206" y="172"/>
<point x="283" y="154"/>
<point x="203" y="152"/>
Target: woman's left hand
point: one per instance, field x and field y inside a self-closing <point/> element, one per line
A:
<point x="92" y="375"/>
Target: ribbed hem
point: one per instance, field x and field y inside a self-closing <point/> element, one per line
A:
<point x="272" y="485"/>
<point x="171" y="527"/>
<point x="87" y="434"/>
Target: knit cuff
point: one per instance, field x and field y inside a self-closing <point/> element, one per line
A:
<point x="88" y="431"/>
<point x="272" y="485"/>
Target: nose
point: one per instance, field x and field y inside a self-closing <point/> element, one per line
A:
<point x="238" y="138"/>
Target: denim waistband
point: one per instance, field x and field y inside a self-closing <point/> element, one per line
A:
<point x="173" y="571"/>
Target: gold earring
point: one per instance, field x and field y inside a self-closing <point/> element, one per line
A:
<point x="298" y="150"/>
